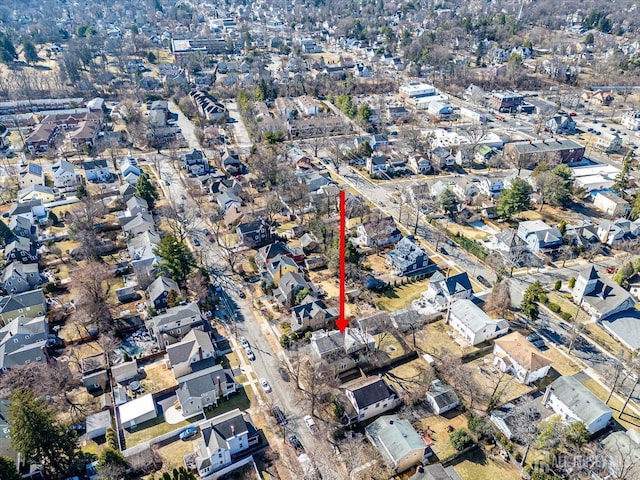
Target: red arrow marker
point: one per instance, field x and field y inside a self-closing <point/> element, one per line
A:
<point x="342" y="321"/>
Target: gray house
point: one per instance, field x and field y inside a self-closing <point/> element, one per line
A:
<point x="23" y="341"/>
<point x="397" y="441"/>
<point x="158" y="290"/>
<point x="442" y="398"/>
<point x="539" y="236"/>
<point x="175" y="323"/>
<point x="204" y="388"/>
<point x="409" y="259"/>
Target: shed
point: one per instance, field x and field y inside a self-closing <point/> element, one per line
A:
<point x="98" y="423"/>
<point x="125" y="371"/>
<point x="138" y="411"/>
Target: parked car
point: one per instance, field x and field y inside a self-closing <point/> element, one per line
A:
<point x="280" y="416"/>
<point x="540" y="345"/>
<point x="296" y="444"/>
<point x="241" y="294"/>
<point x="284" y="374"/>
<point x="188" y="433"/>
<point x="484" y="281"/>
<point x="250" y="355"/>
<point x="244" y="342"/>
<point x="611" y="270"/>
<point x="443" y="251"/>
<point x="534" y="337"/>
<point x="265" y="385"/>
<point x="311" y="424"/>
<point x="196" y="242"/>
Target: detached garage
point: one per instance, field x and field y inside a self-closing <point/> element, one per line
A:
<point x="138" y="411"/>
<point x="98" y="423"/>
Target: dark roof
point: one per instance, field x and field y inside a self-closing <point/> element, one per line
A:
<point x="371" y="393"/>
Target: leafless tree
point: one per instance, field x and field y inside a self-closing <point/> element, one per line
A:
<point x="92" y="283"/>
<point x="499" y="300"/>
<point x="181" y="222"/>
<point x="525" y="428"/>
<point x="82" y="220"/>
<point x="197" y="286"/>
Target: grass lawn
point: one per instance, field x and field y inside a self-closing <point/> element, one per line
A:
<point x="402" y="296"/>
<point x="562" y="364"/>
<point x="390" y="345"/>
<point x="241" y="378"/>
<point x="603" y="339"/>
<point x="151" y="429"/>
<point x="564" y="303"/>
<point x="172" y="455"/>
<point x="476" y="465"/>
<point x="433" y="338"/>
<point x="438" y="426"/>
<point x="158" y="378"/>
<point x="241" y="399"/>
<point x="469" y="232"/>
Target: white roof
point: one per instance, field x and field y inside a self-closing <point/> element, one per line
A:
<point x="471" y="315"/>
<point x="137" y="408"/>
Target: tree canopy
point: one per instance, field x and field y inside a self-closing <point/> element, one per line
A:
<point x="146" y="190"/>
<point x="39" y="436"/>
<point x="448" y="202"/>
<point x="8" y="470"/>
<point x="176" y="256"/>
<point x="514" y="199"/>
<point x="30" y="52"/>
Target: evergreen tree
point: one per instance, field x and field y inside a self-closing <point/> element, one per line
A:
<point x="621" y="182"/>
<point x="7" y="50"/>
<point x="111" y="463"/>
<point x="635" y="208"/>
<point x="8" y="470"/>
<point x="147" y="191"/>
<point x="30" y="52"/>
<point x="176" y="256"/>
<point x="448" y="202"/>
<point x="514" y="199"/>
<point x="39" y="436"/>
<point x="6" y="235"/>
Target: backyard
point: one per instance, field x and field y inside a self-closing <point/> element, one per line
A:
<point x="478" y="465"/>
<point x="401" y="297"/>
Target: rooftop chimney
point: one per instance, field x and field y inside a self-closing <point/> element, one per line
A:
<point x="233" y="430"/>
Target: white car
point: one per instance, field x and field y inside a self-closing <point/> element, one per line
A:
<point x="250" y="355"/>
<point x="265" y="385"/>
<point x="244" y="342"/>
<point x="311" y="424"/>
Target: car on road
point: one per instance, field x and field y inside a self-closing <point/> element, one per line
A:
<point x="241" y="294"/>
<point x="254" y="280"/>
<point x="265" y="385"/>
<point x="284" y="374"/>
<point x="311" y="424"/>
<point x="183" y="196"/>
<point x="281" y="418"/>
<point x="443" y="251"/>
<point x="296" y="444"/>
<point x="611" y="270"/>
<point x="231" y="120"/>
<point x="484" y="281"/>
<point x="188" y="433"/>
<point x="244" y="342"/>
<point x="540" y="345"/>
<point x="167" y="182"/>
<point x="196" y="242"/>
<point x="250" y="355"/>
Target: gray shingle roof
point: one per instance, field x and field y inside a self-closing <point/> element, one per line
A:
<point x="370" y="393"/>
<point x="578" y="399"/>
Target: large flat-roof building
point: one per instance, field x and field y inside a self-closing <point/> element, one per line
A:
<point x="555" y="150"/>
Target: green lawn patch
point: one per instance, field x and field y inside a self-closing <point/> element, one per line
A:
<point x="401" y="296"/>
<point x="240" y="399"/>
<point x="151" y="429"/>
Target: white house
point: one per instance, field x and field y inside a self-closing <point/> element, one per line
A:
<point x="473" y="324"/>
<point x="631" y="120"/>
<point x="576" y="403"/>
<point x="442" y="398"/>
<point x="369" y="398"/>
<point x="444" y="290"/>
<point x="609" y="142"/>
<point x="513" y="353"/>
<point x="538" y="235"/>
<point x="137" y="411"/>
<point x="491" y="187"/>
<point x="419" y="164"/>
<point x="611" y="204"/>
<point x="220" y="438"/>
<point x="397" y="441"/>
<point x="378" y="233"/>
<point x="377" y="164"/>
<point x="64" y="174"/>
<point x="307" y="105"/>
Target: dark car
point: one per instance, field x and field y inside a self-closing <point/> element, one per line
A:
<point x="540" y="345"/>
<point x="533" y="337"/>
<point x="484" y="281"/>
<point x="241" y="294"/>
<point x="443" y="251"/>
<point x="196" y="242"/>
<point x="295" y="443"/>
<point x="254" y="280"/>
<point x="283" y="374"/>
<point x="280" y="416"/>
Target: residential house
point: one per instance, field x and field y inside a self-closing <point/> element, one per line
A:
<point x="192" y="353"/>
<point x="397" y="441"/>
<point x="85" y="135"/>
<point x="307" y="105"/>
<point x="611" y="204"/>
<point x="442" y="158"/>
<point x="376" y="164"/>
<point x="466" y="190"/>
<point x="506" y="102"/>
<point x="600" y="296"/>
<point x="208" y="106"/>
<point x="539" y="236"/>
<point x="408" y="259"/>
<point x="227" y="200"/>
<point x="582" y="233"/>
<point x="445" y="290"/>
<point x="598" y="97"/>
<point x="419" y="164"/>
<point x="289" y="285"/>
<point x="254" y="234"/>
<point x="171" y="326"/>
<point x="491" y="187"/>
<point x="20" y="249"/>
<point x="378" y="233"/>
<point x="143" y="259"/>
<point x="31" y="175"/>
<point x="515" y="354"/>
<point x="379" y="140"/>
<point x="19" y="277"/>
<point x="312" y="314"/>
<point x="97" y="424"/>
<point x="435" y="472"/>
<point x="569" y="398"/>
<point x="484" y="153"/>
<point x="30" y="304"/>
<point x="508" y="417"/>
<point x="64" y="175"/>
<point x="138" y="224"/>
<point x="41" y="138"/>
<point x="562" y="124"/>
<point x="368" y="398"/>
<point x="339" y="352"/>
<point x="125" y="372"/>
<point x="441" y="397"/>
<point x="129" y="170"/>
<point x="158" y="291"/>
<point x="609" y="142"/>
<point x="631" y="120"/>
<point x="472" y="324"/>
<point x="222" y="438"/>
<point x="33" y="210"/>
<point x="528" y="154"/>
<point x="620" y="229"/>
<point x="22" y="226"/>
<point x="231" y="164"/>
<point x="268" y="253"/>
<point x="196" y="162"/>
<point x="126" y="191"/>
<point x="279" y="266"/>
<point x="23" y="341"/>
<point x="96" y="171"/>
<point x="37" y="192"/>
<point x="309" y="242"/>
<point x="204" y="388"/>
<point x="136" y="205"/>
